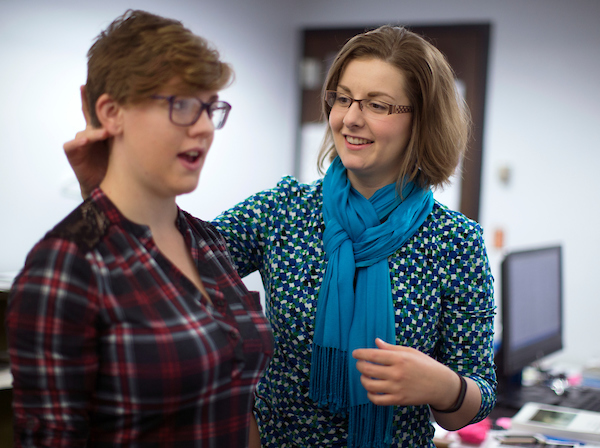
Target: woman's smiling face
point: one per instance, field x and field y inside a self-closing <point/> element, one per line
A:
<point x="371" y="148"/>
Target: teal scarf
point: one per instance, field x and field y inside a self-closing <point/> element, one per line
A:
<point x="355" y="300"/>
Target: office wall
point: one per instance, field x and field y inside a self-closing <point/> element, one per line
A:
<point x="43" y="58"/>
<point x="43" y="49"/>
<point x="542" y="117"/>
<point x="542" y="124"/>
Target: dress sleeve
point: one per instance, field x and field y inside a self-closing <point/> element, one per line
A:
<point x="467" y="322"/>
<point x="247" y="226"/>
<point x="52" y="345"/>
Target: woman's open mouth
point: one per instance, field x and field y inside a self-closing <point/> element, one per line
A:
<point x="190" y="156"/>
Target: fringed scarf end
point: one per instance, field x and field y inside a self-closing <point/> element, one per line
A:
<point x="370" y="426"/>
<point x="329" y="379"/>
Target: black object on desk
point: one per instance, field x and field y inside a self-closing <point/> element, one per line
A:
<point x="515" y="398"/>
<point x="584" y="398"/>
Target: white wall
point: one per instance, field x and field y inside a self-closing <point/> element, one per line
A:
<point x="542" y="116"/>
<point x="43" y="49"/>
<point x="542" y="122"/>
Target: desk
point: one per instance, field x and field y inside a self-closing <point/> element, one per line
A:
<point x="492" y="442"/>
<point x="451" y="439"/>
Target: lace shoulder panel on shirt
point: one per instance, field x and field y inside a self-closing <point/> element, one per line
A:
<point x="85" y="226"/>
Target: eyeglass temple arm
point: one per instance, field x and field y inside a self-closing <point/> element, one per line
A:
<point x="400" y="109"/>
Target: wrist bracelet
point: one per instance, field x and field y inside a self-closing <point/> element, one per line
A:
<point x="459" y="401"/>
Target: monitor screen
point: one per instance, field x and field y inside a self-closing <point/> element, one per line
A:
<point x="531" y="307"/>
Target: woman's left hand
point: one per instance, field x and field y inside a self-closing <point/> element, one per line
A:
<point x="398" y="375"/>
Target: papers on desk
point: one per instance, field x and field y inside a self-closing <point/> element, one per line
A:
<point x="559" y="422"/>
<point x="509" y="438"/>
<point x="537" y="440"/>
<point x="505" y="439"/>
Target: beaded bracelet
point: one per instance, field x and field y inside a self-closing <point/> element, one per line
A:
<point x="459" y="401"/>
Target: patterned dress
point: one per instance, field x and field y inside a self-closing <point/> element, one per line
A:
<point x="441" y="285"/>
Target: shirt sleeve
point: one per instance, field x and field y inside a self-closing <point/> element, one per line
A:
<point x="467" y="321"/>
<point x="246" y="227"/>
<point x="52" y="344"/>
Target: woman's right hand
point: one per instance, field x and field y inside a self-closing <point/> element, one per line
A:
<point x="87" y="153"/>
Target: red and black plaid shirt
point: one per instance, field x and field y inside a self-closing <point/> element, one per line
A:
<point x="110" y="345"/>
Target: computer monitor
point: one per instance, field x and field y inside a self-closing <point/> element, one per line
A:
<point x="532" y="313"/>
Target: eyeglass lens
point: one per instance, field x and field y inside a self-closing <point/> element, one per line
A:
<point x="187" y="111"/>
<point x="368" y="106"/>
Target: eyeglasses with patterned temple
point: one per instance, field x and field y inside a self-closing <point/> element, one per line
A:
<point x="337" y="100"/>
<point x="186" y="110"/>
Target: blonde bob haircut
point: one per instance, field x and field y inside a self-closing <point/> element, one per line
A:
<point x="139" y="53"/>
<point x="440" y="118"/>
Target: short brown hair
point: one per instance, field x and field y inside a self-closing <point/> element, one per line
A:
<point x="441" y="120"/>
<point x="140" y="52"/>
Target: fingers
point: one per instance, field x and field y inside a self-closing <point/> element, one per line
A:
<point x="84" y="139"/>
<point x="374" y="384"/>
<point x="398" y="375"/>
<point x="374" y="355"/>
<point x="85" y="106"/>
<point x="382" y="400"/>
<point x="381" y="372"/>
<point x="93" y="134"/>
<point x="385" y="346"/>
<point x="90" y="135"/>
<point x="75" y="144"/>
<point x="379" y="355"/>
<point x="382" y="392"/>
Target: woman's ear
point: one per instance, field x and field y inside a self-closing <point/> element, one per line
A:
<point x="109" y="114"/>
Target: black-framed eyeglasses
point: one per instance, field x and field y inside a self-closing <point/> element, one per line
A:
<point x="186" y="110"/>
<point x="337" y="100"/>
